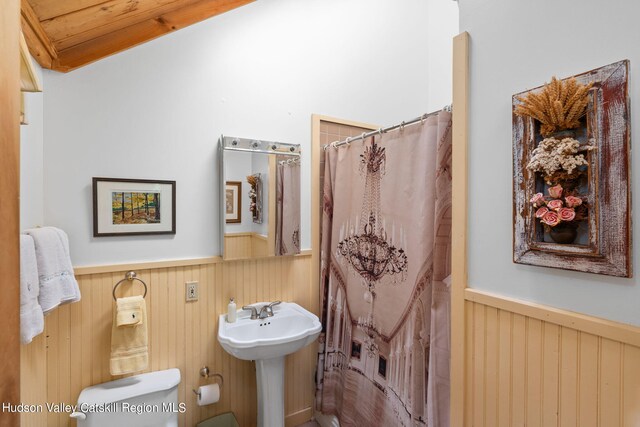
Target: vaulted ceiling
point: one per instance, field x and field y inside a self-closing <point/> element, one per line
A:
<point x="66" y="34"/>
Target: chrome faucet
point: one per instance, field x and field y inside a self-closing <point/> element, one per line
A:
<point x="265" y="310"/>
<point x="254" y="311"/>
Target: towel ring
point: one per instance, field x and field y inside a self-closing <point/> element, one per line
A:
<point x="130" y="276"/>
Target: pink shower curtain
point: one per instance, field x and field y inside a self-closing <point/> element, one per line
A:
<point x="287" y="206"/>
<point x="385" y="262"/>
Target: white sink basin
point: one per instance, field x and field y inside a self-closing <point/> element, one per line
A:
<point x="267" y="341"/>
<point x="291" y="328"/>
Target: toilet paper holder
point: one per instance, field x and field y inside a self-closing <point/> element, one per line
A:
<point x="204" y="373"/>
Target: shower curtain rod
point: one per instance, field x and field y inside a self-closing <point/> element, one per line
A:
<point x="289" y="161"/>
<point x="387" y="129"/>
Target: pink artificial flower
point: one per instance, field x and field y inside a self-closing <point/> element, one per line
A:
<point x="541" y="212"/>
<point x="572" y="201"/>
<point x="567" y="214"/>
<point x="554" y="205"/>
<point x="555" y="191"/>
<point x="551" y="219"/>
<point x="537" y="200"/>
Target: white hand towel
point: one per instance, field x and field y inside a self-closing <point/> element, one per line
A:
<point x="58" y="285"/>
<point x="31" y="318"/>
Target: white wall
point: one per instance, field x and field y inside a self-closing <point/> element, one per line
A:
<point x="260" y="71"/>
<point x="31" y="160"/>
<point x="441" y="25"/>
<point x="517" y="45"/>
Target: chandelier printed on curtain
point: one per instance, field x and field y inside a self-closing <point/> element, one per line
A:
<point x="366" y="248"/>
<point x="388" y="364"/>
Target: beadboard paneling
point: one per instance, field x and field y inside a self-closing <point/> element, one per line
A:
<point x="245" y="245"/>
<point x="33" y="374"/>
<point x="528" y="371"/>
<point x="259" y="245"/>
<point x="238" y="245"/>
<point x="181" y="335"/>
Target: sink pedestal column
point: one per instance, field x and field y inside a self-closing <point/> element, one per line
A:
<point x="270" y="382"/>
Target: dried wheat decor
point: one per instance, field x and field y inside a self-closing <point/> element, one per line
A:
<point x="558" y="106"/>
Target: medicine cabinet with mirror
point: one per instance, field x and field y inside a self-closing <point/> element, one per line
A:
<point x="259" y="198"/>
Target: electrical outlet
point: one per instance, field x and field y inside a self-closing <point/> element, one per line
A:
<point x="191" y="291"/>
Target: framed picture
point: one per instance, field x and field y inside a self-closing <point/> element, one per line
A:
<point x="126" y="207"/>
<point x="233" y="202"/>
<point x="356" y="349"/>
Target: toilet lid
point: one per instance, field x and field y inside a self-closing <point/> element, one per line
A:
<point x="126" y="388"/>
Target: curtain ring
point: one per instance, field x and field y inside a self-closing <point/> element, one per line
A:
<point x="423" y="118"/>
<point x="348" y="141"/>
<point x="380" y="131"/>
<point x="362" y="136"/>
<point x="402" y="126"/>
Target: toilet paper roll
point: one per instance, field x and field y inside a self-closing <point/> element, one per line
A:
<point x="208" y="394"/>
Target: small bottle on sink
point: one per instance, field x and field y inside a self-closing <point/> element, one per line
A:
<point x="231" y="311"/>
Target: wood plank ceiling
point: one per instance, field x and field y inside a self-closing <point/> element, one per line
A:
<point x="66" y="34"/>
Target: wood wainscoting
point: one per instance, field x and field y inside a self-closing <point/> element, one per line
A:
<point x="73" y="353"/>
<point x="531" y="365"/>
<point x="245" y="245"/>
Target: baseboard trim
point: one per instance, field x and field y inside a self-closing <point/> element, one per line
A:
<point x="616" y="331"/>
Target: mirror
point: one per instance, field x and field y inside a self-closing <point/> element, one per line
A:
<point x="260" y="198"/>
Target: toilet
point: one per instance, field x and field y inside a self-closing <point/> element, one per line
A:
<point x="143" y="400"/>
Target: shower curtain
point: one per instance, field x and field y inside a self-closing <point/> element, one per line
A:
<point x="287" y="206"/>
<point x="385" y="262"/>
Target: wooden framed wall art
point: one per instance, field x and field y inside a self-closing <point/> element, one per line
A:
<point x="571" y="180"/>
<point x="233" y="202"/>
<point x="127" y="207"/>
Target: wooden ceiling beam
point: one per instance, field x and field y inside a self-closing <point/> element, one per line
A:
<point x="121" y="32"/>
<point x="84" y="25"/>
<point x="75" y="24"/>
<point x="47" y="9"/>
<point x="133" y="35"/>
<point x="109" y="44"/>
<point x="37" y="39"/>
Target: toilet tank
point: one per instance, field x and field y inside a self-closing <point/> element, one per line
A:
<point x="143" y="400"/>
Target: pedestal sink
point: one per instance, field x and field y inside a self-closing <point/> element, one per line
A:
<point x="267" y="341"/>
